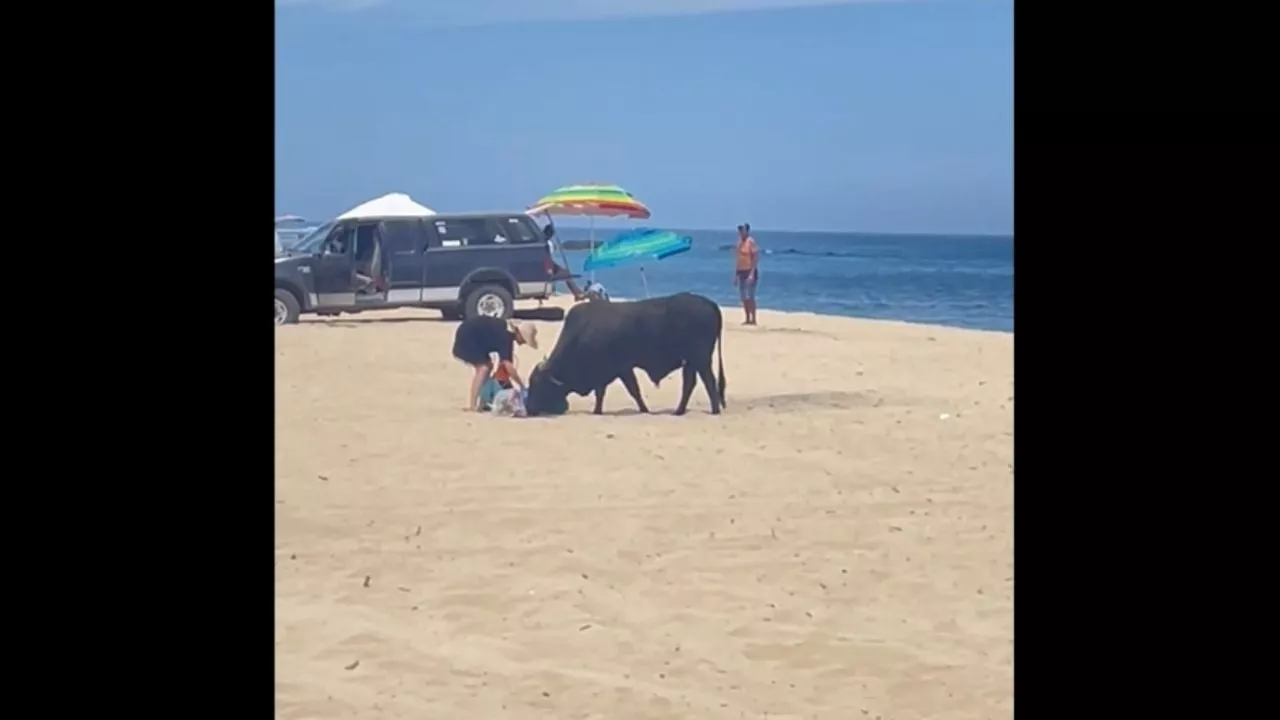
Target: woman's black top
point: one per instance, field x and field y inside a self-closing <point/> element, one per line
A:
<point x="477" y="337"/>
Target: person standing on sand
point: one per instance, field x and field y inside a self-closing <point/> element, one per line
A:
<point x="746" y="272"/>
<point x="549" y="232"/>
<point x="476" y="339"/>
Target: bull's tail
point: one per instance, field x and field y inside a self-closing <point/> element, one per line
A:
<point x="720" y="380"/>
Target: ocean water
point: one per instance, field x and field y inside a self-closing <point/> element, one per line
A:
<point x="961" y="281"/>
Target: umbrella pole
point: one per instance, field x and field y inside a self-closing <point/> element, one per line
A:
<point x="645" y="280"/>
<point x="591" y="241"/>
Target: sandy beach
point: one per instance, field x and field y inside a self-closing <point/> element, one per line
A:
<point x="837" y="545"/>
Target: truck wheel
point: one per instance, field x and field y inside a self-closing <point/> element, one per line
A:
<point x="489" y="301"/>
<point x="287" y="309"/>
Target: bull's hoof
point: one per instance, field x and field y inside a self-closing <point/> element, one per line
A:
<point x="678" y="412"/>
<point x="597" y="411"/>
<point x="644" y="410"/>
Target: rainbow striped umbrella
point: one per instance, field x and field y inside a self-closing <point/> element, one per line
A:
<point x="592" y="200"/>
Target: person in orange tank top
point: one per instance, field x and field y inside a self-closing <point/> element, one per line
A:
<point x="746" y="273"/>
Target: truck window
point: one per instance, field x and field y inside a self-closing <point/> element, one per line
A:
<point x="366" y="240"/>
<point x="403" y="236"/>
<point x="463" y="232"/>
<point x="340" y="241"/>
<point x="520" y="230"/>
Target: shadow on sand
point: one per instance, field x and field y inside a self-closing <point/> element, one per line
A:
<point x="653" y="412"/>
<point x="786" y="403"/>
<point x="795" y="402"/>
<point x="759" y="329"/>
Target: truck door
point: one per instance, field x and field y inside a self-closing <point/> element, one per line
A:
<point x="370" y="261"/>
<point x="529" y="254"/>
<point x="335" y="269"/>
<point x="405" y="245"/>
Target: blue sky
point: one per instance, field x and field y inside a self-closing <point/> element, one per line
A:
<point x="888" y="115"/>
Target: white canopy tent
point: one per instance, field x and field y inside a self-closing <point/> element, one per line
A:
<point x="389" y="205"/>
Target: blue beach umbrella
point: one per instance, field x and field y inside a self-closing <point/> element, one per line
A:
<point x="636" y="247"/>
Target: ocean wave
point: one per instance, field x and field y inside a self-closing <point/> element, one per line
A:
<point x="797" y="251"/>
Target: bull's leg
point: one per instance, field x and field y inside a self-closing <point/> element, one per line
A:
<point x="690" y="379"/>
<point x="629" y="381"/>
<point x="709" y="382"/>
<point x="600" y="399"/>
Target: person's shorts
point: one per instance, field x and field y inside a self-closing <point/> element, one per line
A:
<point x="747" y="284"/>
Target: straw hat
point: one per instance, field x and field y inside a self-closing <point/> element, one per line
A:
<point x="527" y="333"/>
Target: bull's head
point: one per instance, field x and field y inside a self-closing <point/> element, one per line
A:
<point x="547" y="395"/>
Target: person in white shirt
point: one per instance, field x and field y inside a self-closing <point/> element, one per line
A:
<point x="549" y="232"/>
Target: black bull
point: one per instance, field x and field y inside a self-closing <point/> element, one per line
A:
<point x="603" y="342"/>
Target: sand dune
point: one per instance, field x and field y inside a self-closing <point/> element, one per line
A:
<point x="837" y="545"/>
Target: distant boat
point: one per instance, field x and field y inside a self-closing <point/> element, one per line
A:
<point x="292" y="228"/>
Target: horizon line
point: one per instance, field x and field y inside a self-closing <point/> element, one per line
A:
<point x="898" y="233"/>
